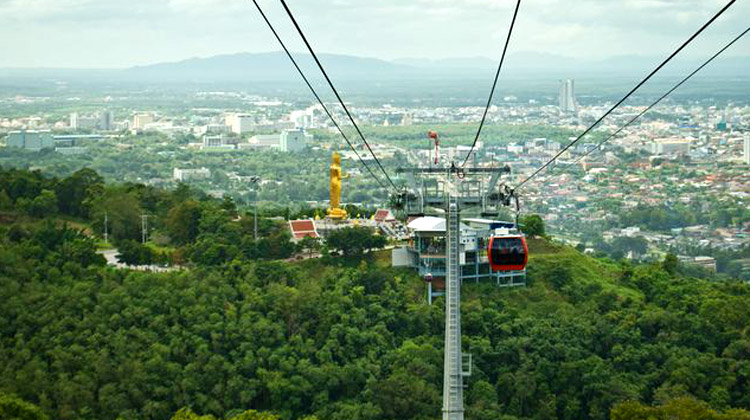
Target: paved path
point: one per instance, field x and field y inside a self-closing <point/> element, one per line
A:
<point x="111" y="256"/>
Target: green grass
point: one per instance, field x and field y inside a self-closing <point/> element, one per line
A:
<point x="541" y="297"/>
<point x="584" y="270"/>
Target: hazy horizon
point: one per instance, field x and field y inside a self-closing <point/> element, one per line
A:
<point x="107" y="34"/>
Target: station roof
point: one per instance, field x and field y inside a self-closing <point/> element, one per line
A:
<point x="427" y="224"/>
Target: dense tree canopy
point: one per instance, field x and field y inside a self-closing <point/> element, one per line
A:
<point x="533" y="225"/>
<point x="354" y="241"/>
<point x="345" y="338"/>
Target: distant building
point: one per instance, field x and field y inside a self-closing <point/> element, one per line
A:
<point x="101" y="121"/>
<point x="73" y="150"/>
<point x="709" y="263"/>
<point x="210" y="129"/>
<point x="239" y="123"/>
<point x="71" y="144"/>
<point x="106" y="120"/>
<point x="220" y="141"/>
<point x="631" y="231"/>
<point x="302" y="119"/>
<point x="553" y="146"/>
<point x="568" y="96"/>
<point x="746" y="148"/>
<point x="81" y="122"/>
<point x="515" y="148"/>
<point x="294" y="140"/>
<point x="141" y="120"/>
<point x="265" y="141"/>
<point x="670" y="147"/>
<point x="30" y="140"/>
<point x="183" y="175"/>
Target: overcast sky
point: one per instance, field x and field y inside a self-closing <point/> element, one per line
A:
<point x="123" y="33"/>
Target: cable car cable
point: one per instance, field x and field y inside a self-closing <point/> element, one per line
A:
<point x="638" y="86"/>
<point x="315" y="93"/>
<point x="333" y="88"/>
<point x="669" y="92"/>
<point x="494" y="84"/>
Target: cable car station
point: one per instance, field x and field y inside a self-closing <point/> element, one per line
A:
<point x="425" y="253"/>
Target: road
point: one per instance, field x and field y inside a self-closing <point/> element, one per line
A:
<point x="111" y="256"/>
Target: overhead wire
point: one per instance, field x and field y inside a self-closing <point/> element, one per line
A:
<point x="638" y="86"/>
<point x="315" y="94"/>
<point x="494" y="84"/>
<point x="335" y="91"/>
<point x="669" y="92"/>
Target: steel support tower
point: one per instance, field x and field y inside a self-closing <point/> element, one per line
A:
<point x="456" y="189"/>
<point x="453" y="375"/>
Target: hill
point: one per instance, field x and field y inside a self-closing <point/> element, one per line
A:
<point x="338" y="338"/>
<point x="346" y="339"/>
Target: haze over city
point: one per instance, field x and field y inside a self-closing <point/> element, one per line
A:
<point x="116" y="34"/>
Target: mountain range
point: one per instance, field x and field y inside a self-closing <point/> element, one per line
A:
<point x="275" y="67"/>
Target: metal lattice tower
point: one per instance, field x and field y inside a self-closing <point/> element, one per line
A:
<point x="453" y="384"/>
<point x="451" y="194"/>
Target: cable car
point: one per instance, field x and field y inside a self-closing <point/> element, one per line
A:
<point x="508" y="252"/>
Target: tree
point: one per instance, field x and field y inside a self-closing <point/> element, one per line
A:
<point x="187" y="414"/>
<point x="533" y="225"/>
<point x="183" y="222"/>
<point x="123" y="211"/>
<point x="43" y="205"/>
<point x="310" y="244"/>
<point x="559" y="276"/>
<point x="134" y="253"/>
<point x="354" y="241"/>
<point x="677" y="409"/>
<point x="77" y="191"/>
<point x="670" y="263"/>
<point x="6" y="203"/>
<point x="12" y="408"/>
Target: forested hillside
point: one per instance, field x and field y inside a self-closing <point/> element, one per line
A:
<point x="352" y="338"/>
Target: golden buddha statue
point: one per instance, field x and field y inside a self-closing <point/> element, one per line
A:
<point x="334" y="212"/>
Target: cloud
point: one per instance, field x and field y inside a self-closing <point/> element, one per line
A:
<point x="103" y="33"/>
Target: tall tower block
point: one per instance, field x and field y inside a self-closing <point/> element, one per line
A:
<point x="568" y="96"/>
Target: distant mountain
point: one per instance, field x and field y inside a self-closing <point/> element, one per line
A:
<point x="269" y="67"/>
<point x="274" y="67"/>
<point x="448" y="63"/>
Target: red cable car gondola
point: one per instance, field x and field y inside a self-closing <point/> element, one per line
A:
<point x="508" y="252"/>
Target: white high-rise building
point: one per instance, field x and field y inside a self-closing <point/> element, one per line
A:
<point x="568" y="96"/>
<point x="302" y="119"/>
<point x="106" y="120"/>
<point x="294" y="140"/>
<point x="80" y="122"/>
<point x="746" y="148"/>
<point x="240" y="123"/>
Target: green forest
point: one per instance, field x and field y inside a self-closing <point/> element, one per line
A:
<point x="242" y="334"/>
